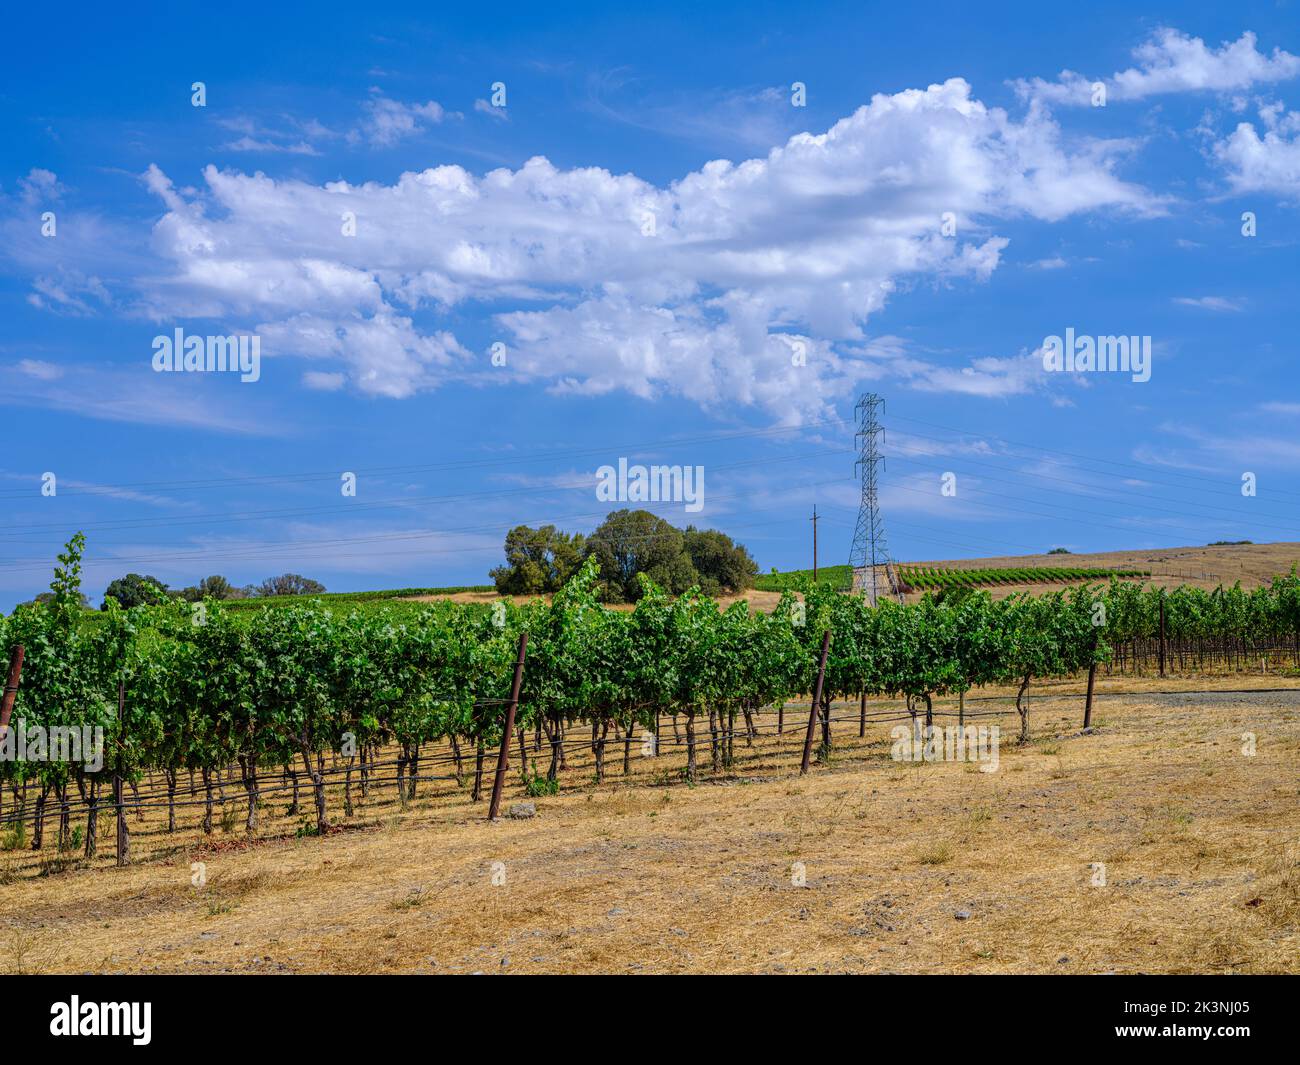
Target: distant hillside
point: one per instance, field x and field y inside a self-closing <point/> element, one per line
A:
<point x="838" y="576"/>
<point x="345" y="598"/>
<point x="1203" y="567"/>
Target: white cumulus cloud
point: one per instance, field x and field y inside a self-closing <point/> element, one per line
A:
<point x="1170" y="62"/>
<point x="710" y="288"/>
<point x="1267" y="163"/>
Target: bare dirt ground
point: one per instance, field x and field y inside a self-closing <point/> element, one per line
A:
<point x="920" y="867"/>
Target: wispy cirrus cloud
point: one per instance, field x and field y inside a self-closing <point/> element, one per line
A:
<point x="1242" y="450"/>
<point x="289" y="135"/>
<point x="388" y="121"/>
<point x="71" y="293"/>
<point x="485" y="108"/>
<point x="116" y="393"/>
<point x="1221" y="304"/>
<point x="753" y="118"/>
<point x="122" y="493"/>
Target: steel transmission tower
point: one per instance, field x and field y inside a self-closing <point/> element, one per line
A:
<point x="870" y="552"/>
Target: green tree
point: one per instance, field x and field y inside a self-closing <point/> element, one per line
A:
<point x="538" y="560"/>
<point x="45" y="598"/>
<point x="290" y="584"/>
<point x="135" y="590"/>
<point x="721" y="563"/>
<point x="214" y="587"/>
<point x="631" y="542"/>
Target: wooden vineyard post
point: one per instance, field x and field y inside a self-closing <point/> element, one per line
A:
<point x="503" y="756"/>
<point x="123" y="832"/>
<point x="11" y="688"/>
<point x="862" y="716"/>
<point x="1092" y="677"/>
<point x="812" y="710"/>
<point x="11" y="692"/>
<point x="7" y="708"/>
<point x="1162" y="632"/>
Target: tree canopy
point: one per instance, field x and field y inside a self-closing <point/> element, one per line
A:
<point x="136" y="590"/>
<point x="627" y="544"/>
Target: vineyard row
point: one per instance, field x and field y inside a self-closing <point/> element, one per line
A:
<point x="174" y="688"/>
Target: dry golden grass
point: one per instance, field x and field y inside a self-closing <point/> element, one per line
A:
<point x="1202" y="567"/>
<point x="763" y="601"/>
<point x="905" y="867"/>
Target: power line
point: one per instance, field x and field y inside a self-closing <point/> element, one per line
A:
<point x="1252" y="522"/>
<point x="264" y="552"/>
<point x="1038" y="448"/>
<point x="345" y="508"/>
<point x="1031" y="513"/>
<point x="1109" y="489"/>
<point x="722" y="436"/>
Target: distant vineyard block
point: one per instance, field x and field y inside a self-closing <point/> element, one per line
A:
<point x="934" y="578"/>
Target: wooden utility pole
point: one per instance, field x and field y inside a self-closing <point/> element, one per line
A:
<point x="504" y="754"/>
<point x="814" y="521"/>
<point x="817" y="698"/>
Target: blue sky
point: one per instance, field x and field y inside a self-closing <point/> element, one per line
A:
<point x="652" y="229"/>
